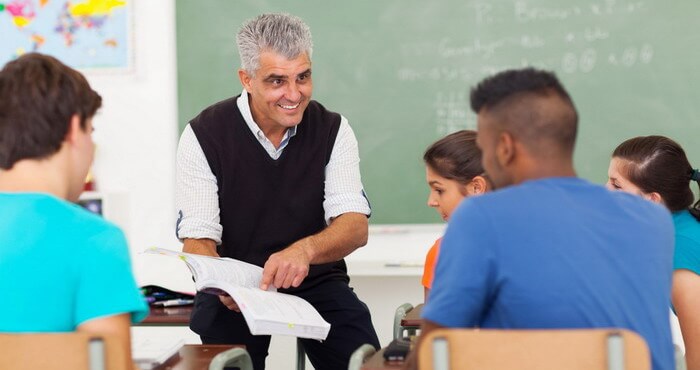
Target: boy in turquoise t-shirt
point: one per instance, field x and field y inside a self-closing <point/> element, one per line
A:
<point x="62" y="269"/>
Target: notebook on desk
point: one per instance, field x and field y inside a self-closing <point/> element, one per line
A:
<point x="151" y="351"/>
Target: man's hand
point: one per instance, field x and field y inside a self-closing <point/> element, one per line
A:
<point x="229" y="303"/>
<point x="288" y="267"/>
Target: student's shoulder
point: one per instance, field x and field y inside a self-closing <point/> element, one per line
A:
<point x="80" y="222"/>
<point x="687" y="229"/>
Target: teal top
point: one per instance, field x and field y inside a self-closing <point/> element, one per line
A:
<point x="687" y="254"/>
<point x="61" y="266"/>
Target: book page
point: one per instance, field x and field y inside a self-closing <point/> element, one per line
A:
<point x="297" y="316"/>
<point x="206" y="268"/>
<point x="266" y="312"/>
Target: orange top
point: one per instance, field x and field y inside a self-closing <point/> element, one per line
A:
<point x="430" y="262"/>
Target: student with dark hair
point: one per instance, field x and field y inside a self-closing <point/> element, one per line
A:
<point x="545" y="249"/>
<point x="453" y="171"/>
<point x="656" y="168"/>
<point x="62" y="268"/>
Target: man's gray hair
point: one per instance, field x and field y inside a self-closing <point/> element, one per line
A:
<point x="281" y="33"/>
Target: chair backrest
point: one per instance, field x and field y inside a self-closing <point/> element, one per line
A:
<point x="237" y="357"/>
<point x="576" y="349"/>
<point x="59" y="351"/>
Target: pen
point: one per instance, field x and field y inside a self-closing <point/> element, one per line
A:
<point x="174" y="302"/>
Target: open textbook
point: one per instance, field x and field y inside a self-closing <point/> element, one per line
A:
<point x="265" y="311"/>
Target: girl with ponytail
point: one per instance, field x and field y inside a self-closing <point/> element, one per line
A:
<point x="656" y="168"/>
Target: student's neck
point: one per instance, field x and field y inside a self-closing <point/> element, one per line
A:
<point x="540" y="170"/>
<point x="35" y="176"/>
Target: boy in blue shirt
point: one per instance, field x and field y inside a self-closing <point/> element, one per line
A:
<point x="62" y="269"/>
<point x="547" y="249"/>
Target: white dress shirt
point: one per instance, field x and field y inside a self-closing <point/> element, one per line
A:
<point x="197" y="199"/>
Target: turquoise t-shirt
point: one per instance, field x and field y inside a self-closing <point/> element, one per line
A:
<point x="61" y="266"/>
<point x="687" y="254"/>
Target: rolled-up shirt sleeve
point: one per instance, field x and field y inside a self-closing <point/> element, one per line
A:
<point x="196" y="196"/>
<point x="343" y="187"/>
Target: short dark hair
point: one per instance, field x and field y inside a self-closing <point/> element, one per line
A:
<point x="513" y="95"/>
<point x="455" y="157"/>
<point x="38" y="97"/>
<point x="659" y="164"/>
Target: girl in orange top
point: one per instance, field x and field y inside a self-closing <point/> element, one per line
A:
<point x="453" y="171"/>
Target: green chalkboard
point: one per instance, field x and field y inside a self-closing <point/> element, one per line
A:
<point x="400" y="71"/>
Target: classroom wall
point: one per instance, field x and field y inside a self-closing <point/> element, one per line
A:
<point x="136" y="133"/>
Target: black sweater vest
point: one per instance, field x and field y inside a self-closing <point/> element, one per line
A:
<point x="266" y="204"/>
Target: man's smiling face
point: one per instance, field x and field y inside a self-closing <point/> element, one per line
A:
<point x="280" y="91"/>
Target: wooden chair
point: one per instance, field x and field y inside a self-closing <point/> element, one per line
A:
<point x="579" y="349"/>
<point x="61" y="351"/>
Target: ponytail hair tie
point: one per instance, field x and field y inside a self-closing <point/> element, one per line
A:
<point x="695" y="175"/>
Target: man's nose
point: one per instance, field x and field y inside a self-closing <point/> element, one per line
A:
<point x="293" y="94"/>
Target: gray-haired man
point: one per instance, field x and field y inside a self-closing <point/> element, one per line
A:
<point x="271" y="177"/>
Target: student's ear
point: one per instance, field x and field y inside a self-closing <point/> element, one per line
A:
<point x="478" y="185"/>
<point x="654" y="197"/>
<point x="505" y="149"/>
<point x="245" y="79"/>
<point x="74" y="129"/>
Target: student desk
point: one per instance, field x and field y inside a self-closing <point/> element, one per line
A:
<point x="195" y="356"/>
<point x="412" y="320"/>
<point x="190" y="356"/>
<point x="376" y="362"/>
<point x="407" y="320"/>
<point x="180" y="316"/>
<point x="168" y="316"/>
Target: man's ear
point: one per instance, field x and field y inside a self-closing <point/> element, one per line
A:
<point x="505" y="149"/>
<point x="73" y="129"/>
<point x="245" y="78"/>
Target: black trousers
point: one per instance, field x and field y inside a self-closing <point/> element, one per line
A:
<point x="351" y="326"/>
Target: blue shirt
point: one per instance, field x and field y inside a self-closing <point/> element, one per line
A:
<point x="557" y="253"/>
<point x="61" y="266"/>
<point x="687" y="255"/>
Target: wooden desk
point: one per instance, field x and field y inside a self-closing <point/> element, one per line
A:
<point x="168" y="316"/>
<point x="412" y="320"/>
<point x="376" y="362"/>
<point x="195" y="356"/>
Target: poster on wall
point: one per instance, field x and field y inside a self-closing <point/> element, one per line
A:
<point x="90" y="35"/>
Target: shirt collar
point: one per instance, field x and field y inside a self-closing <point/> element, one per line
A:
<point x="244" y="107"/>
